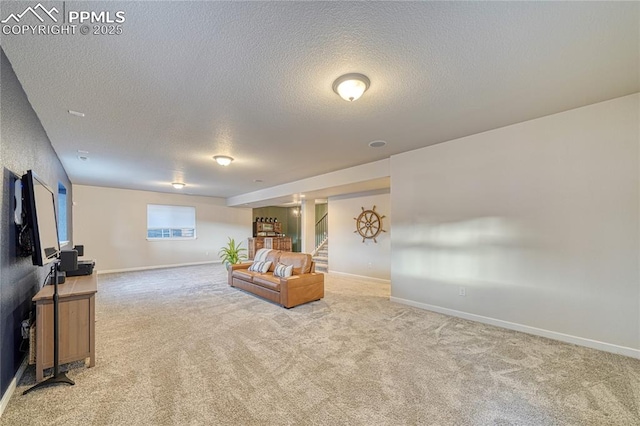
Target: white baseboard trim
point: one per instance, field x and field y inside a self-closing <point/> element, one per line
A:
<point x="12" y="386"/>
<point x="359" y="276"/>
<point x="567" y="338"/>
<point x="146" y="268"/>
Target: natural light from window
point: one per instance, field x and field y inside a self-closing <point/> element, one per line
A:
<point x="62" y="213"/>
<point x="171" y="222"/>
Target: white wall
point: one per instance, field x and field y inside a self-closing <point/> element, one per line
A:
<point x="373" y="171"/>
<point x="112" y="225"/>
<point x="539" y="221"/>
<point x="347" y="253"/>
<point x="308" y="225"/>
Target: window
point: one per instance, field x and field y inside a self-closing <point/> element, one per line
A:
<point x="62" y="213"/>
<point x="171" y="222"/>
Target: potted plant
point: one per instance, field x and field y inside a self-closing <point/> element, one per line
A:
<point x="232" y="253"/>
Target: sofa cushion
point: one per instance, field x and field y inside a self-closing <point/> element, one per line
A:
<point x="301" y="262"/>
<point x="261" y="267"/>
<point x="273" y="257"/>
<point x="267" y="281"/>
<point x="244" y="274"/>
<point x="282" y="270"/>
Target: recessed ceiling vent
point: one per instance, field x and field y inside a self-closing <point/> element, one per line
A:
<point x="377" y="144"/>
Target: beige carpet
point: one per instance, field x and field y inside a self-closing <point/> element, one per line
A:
<point x="180" y="347"/>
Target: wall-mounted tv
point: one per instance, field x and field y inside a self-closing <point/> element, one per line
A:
<point x="40" y="214"/>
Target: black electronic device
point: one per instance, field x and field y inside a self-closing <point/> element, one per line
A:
<point x="85" y="267"/>
<point x="68" y="260"/>
<point x="39" y="234"/>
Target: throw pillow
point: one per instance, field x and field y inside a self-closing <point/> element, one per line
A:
<point x="261" y="267"/>
<point x="261" y="255"/>
<point x="282" y="270"/>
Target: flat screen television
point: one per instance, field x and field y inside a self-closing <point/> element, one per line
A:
<point x="40" y="215"/>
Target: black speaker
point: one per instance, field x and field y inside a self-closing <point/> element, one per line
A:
<point x="68" y="260"/>
<point x="79" y="249"/>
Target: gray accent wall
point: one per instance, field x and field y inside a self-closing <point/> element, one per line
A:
<point x="291" y="226"/>
<point x="321" y="210"/>
<point x="24" y="145"/>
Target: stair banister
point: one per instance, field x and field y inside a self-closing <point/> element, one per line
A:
<point x="322" y="230"/>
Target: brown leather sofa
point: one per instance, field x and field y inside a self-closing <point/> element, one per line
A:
<point x="305" y="285"/>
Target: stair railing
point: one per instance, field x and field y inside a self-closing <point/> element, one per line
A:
<point x="322" y="231"/>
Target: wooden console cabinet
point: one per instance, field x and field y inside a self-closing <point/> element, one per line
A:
<point x="276" y="243"/>
<point x="77" y="313"/>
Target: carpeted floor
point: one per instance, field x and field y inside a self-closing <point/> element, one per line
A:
<point x="180" y="347"/>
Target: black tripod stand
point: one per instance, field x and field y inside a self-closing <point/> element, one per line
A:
<point x="58" y="377"/>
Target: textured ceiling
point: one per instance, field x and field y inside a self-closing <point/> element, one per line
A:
<point x="189" y="80"/>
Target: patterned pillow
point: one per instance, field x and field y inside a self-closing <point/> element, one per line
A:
<point x="261" y="267"/>
<point x="261" y="255"/>
<point x="282" y="270"/>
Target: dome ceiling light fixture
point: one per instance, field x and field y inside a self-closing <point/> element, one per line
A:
<point x="178" y="185"/>
<point x="223" y="160"/>
<point x="351" y="86"/>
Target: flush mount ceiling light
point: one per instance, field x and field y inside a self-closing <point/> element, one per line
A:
<point x="351" y="86"/>
<point x="223" y="160"/>
<point x="76" y="113"/>
<point x="178" y="185"/>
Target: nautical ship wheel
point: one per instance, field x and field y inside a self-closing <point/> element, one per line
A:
<point x="369" y="224"/>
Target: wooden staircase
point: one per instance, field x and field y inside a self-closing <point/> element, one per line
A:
<point x="321" y="258"/>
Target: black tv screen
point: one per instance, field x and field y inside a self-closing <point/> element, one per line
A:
<point x="41" y="219"/>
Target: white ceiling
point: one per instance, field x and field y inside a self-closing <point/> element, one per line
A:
<point x="189" y="80"/>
